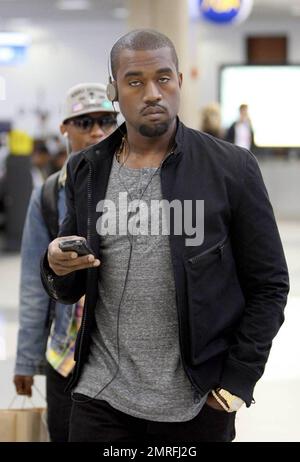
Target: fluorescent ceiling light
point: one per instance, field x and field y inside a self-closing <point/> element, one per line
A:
<point x="70" y="5"/>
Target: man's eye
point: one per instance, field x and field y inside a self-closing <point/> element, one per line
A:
<point x="164" y="79"/>
<point x="134" y="83"/>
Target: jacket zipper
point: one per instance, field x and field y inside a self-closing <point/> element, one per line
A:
<point x="219" y="248"/>
<point x="83" y="323"/>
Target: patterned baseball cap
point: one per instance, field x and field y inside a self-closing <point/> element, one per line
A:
<point x="85" y="98"/>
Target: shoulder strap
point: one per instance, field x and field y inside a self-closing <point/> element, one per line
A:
<point x="49" y="206"/>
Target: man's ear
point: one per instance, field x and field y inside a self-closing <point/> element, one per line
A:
<point x="180" y="79"/>
<point x="63" y="130"/>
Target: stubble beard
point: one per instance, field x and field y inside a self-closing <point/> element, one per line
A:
<point x="154" y="130"/>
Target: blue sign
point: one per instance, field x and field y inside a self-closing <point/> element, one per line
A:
<point x="225" y="11"/>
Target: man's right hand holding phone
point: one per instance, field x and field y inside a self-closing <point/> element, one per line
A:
<point x="64" y="262"/>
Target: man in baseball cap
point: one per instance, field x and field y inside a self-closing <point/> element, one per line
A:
<point x="88" y="117"/>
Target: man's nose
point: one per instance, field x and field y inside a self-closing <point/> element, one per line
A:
<point x="152" y="93"/>
<point x="97" y="131"/>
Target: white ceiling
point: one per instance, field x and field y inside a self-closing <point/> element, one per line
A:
<point x="44" y="10"/>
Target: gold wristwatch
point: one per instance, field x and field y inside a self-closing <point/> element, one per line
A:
<point x="229" y="402"/>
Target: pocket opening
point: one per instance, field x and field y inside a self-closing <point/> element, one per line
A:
<point x="217" y="249"/>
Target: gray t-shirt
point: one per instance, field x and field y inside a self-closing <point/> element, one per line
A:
<point x="137" y="293"/>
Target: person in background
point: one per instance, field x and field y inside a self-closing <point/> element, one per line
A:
<point x="241" y="131"/>
<point x="58" y="160"/>
<point x="211" y="121"/>
<point x="40" y="160"/>
<point x="88" y="118"/>
<point x="57" y="149"/>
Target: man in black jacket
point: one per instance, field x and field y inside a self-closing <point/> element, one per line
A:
<point x="178" y="324"/>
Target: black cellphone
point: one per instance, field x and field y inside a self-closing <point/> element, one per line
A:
<point x="75" y="245"/>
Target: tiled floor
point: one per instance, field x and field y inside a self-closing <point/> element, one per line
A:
<point x="274" y="417"/>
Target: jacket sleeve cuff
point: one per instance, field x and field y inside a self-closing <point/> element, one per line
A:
<point x="65" y="289"/>
<point x="51" y="282"/>
<point x="238" y="380"/>
<point x="30" y="369"/>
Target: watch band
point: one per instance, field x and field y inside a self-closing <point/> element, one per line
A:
<point x="220" y="401"/>
<point x="228" y="401"/>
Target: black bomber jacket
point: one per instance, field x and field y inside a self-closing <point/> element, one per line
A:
<point x="231" y="289"/>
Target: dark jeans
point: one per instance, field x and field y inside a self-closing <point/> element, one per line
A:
<point x="97" y="421"/>
<point x="59" y="405"/>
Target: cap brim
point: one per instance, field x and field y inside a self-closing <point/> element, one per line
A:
<point x="90" y="111"/>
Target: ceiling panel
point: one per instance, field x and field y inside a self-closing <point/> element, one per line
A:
<point x="47" y="10"/>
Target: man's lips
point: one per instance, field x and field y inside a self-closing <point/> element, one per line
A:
<point x="153" y="110"/>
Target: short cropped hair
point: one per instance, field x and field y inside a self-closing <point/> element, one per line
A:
<point x="140" y="39"/>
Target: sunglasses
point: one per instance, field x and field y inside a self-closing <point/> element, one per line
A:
<point x="86" y="123"/>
